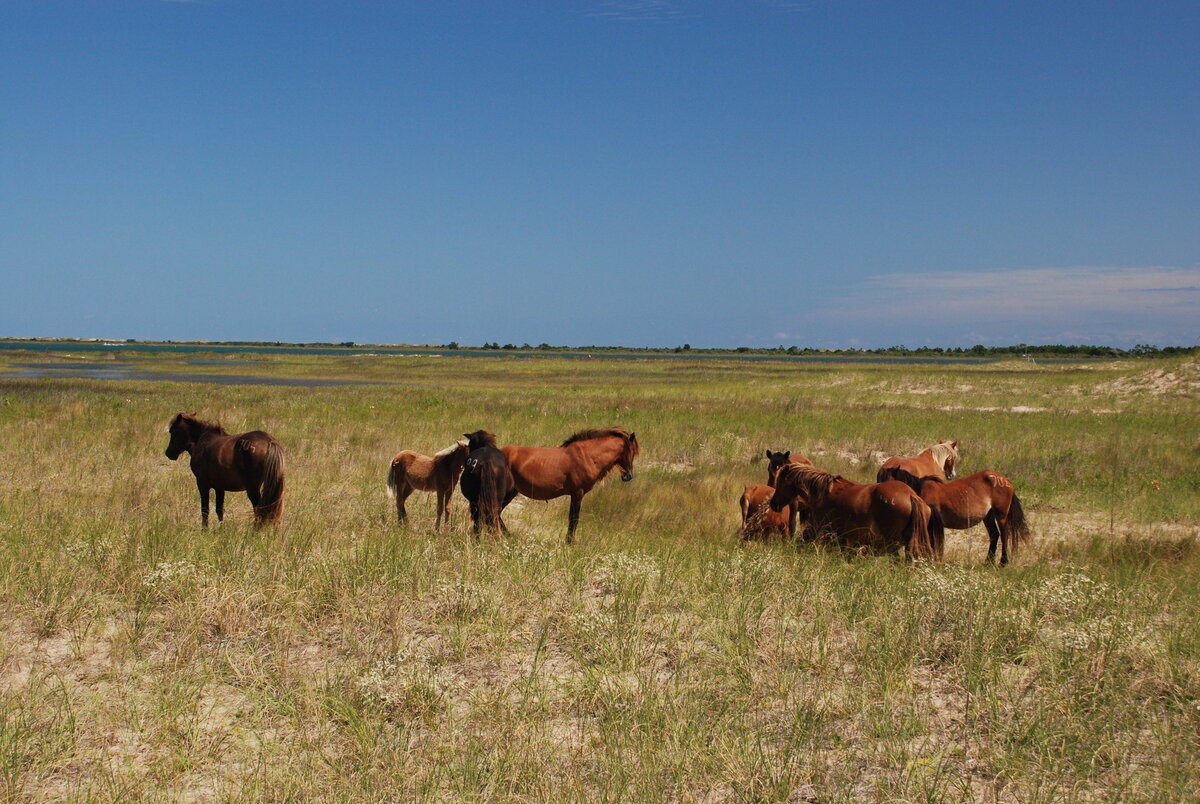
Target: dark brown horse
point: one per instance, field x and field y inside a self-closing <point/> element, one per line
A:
<point x="987" y="497"/>
<point x="757" y="517"/>
<point x="250" y="462"/>
<point x="411" y="471"/>
<point x="778" y="460"/>
<point x="582" y="461"/>
<point x="487" y="482"/>
<point x="881" y="517"/>
<point x="938" y="460"/>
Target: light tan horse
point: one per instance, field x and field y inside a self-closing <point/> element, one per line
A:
<point x="412" y="471"/>
<point x="881" y="517"/>
<point x="938" y="460"/>
<point x="757" y="517"/>
<point x="573" y="468"/>
<point x="987" y="497"/>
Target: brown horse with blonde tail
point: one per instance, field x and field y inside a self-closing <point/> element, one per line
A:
<point x="938" y="461"/>
<point x="987" y="497"/>
<point x="572" y="468"/>
<point x="251" y="462"/>
<point x="880" y="517"/>
<point x="412" y="471"/>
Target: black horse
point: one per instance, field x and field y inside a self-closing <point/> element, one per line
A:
<point x="487" y="481"/>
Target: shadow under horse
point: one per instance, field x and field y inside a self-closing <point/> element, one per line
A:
<point x="251" y="462"/>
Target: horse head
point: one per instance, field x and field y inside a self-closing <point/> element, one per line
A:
<point x="182" y="437"/>
<point x="775" y="461"/>
<point x="949" y="457"/>
<point x="631" y="451"/>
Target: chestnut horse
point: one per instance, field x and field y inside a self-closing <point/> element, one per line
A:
<point x="574" y="467"/>
<point x="486" y="481"/>
<point x="880" y="517"/>
<point x="250" y="462"/>
<point x="412" y="471"/>
<point x="757" y="517"/>
<point x="938" y="460"/>
<point x="986" y="497"/>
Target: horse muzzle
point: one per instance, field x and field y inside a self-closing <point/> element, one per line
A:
<point x="626" y="476"/>
<point x="169" y="455"/>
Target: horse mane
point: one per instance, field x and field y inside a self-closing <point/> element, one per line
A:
<point x="940" y="452"/>
<point x="588" y="435"/>
<point x="196" y="422"/>
<point x="457" y="445"/>
<point x="481" y="438"/>
<point x="814" y="480"/>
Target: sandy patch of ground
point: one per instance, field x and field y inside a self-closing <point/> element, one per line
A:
<point x="1183" y="380"/>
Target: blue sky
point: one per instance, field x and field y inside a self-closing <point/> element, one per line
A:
<point x="585" y="172"/>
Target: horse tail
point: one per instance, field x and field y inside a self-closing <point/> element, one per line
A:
<point x="272" y="482"/>
<point x="393" y="470"/>
<point x="919" y="543"/>
<point x="937" y="533"/>
<point x="489" y="497"/>
<point x="1017" y="529"/>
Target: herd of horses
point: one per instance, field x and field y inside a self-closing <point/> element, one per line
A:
<point x="908" y="508"/>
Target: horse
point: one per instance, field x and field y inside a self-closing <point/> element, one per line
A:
<point x="879" y="517"/>
<point x="938" y="460"/>
<point x="987" y="497"/>
<point x="486" y="482"/>
<point x="411" y="471"/>
<point x="777" y="460"/>
<point x="573" y="467"/>
<point x="250" y="462"/>
<point x="757" y="517"/>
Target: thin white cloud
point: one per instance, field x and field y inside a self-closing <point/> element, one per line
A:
<point x="1110" y="305"/>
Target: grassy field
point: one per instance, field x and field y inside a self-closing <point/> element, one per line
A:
<point x="340" y="656"/>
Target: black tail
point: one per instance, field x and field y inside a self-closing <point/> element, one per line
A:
<point x="1017" y="529"/>
<point x="937" y="534"/>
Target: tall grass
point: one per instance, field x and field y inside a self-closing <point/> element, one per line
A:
<point x="341" y="656"/>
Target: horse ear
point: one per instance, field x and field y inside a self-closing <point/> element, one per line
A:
<point x="787" y="455"/>
<point x="768" y="455"/>
<point x="954" y="443"/>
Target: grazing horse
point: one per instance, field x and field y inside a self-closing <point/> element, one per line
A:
<point x="574" y="467"/>
<point x="487" y="482"/>
<point x="250" y="462"/>
<point x="777" y="460"/>
<point x="986" y="497"/>
<point x="938" y="460"/>
<point x="757" y="517"/>
<point x="412" y="471"/>
<point x="880" y="517"/>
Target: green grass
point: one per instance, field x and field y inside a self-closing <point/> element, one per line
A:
<point x="340" y="656"/>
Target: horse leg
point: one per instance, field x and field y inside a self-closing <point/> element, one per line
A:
<point x="442" y="509"/>
<point x="1001" y="525"/>
<point x="255" y="501"/>
<point x="403" y="490"/>
<point x="993" y="529"/>
<point x="573" y="517"/>
<point x="203" y="504"/>
<point x="220" y="505"/>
